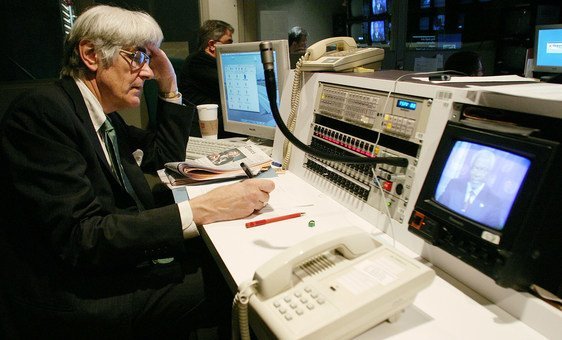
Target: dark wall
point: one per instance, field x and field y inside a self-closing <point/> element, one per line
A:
<point x="179" y="19"/>
<point x="32" y="33"/>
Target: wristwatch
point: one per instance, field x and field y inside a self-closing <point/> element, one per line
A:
<point x="170" y="95"/>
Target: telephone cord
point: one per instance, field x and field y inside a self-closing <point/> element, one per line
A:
<point x="240" y="323"/>
<point x="292" y="119"/>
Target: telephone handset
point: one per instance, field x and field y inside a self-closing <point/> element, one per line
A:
<point x="340" y="54"/>
<point x="333" y="285"/>
<point x="276" y="276"/>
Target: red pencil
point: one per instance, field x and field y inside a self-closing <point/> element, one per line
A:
<point x="273" y="219"/>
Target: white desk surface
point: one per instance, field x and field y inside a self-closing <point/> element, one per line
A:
<point x="441" y="311"/>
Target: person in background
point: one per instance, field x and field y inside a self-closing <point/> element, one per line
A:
<point x="472" y="196"/>
<point x="467" y="62"/>
<point x="297" y="40"/>
<point x="86" y="250"/>
<point x="199" y="79"/>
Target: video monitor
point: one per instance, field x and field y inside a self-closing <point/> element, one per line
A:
<point x="548" y="48"/>
<point x="487" y="199"/>
<point x="425" y="3"/>
<point x="439" y="22"/>
<point x="379" y="6"/>
<point x="378" y="32"/>
<point x="245" y="105"/>
<point x="481" y="182"/>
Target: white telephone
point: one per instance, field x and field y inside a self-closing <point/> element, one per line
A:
<point x="340" y="54"/>
<point x="334" y="285"/>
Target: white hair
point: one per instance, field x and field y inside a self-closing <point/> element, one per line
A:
<point x="486" y="155"/>
<point x="109" y="28"/>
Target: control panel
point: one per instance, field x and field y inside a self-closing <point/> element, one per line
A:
<point x="368" y="123"/>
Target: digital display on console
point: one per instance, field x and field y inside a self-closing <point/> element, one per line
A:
<point x="481" y="182"/>
<point x="244" y="83"/>
<point x="405" y="104"/>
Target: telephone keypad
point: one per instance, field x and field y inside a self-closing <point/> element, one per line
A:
<point x="307" y="300"/>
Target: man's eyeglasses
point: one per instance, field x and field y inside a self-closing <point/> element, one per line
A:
<point x="138" y="58"/>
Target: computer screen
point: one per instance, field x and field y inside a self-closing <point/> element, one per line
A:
<point x="548" y="48"/>
<point x="245" y="105"/>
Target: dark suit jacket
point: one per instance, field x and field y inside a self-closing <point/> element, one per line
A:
<point x="486" y="207"/>
<point x="69" y="231"/>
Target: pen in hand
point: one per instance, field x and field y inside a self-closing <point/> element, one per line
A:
<point x="247" y="170"/>
<point x="273" y="219"/>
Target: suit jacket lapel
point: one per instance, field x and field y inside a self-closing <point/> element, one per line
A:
<point x="70" y="87"/>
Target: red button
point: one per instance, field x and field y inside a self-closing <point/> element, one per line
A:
<point x="387" y="185"/>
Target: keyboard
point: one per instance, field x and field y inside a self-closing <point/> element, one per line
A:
<point x="198" y="147"/>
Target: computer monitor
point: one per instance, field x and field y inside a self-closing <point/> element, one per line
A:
<point x="548" y="48"/>
<point x="484" y="198"/>
<point x="245" y="106"/>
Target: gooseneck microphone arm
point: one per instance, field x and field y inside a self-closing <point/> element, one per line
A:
<point x="266" y="49"/>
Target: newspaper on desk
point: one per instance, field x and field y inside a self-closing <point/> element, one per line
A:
<point x="218" y="166"/>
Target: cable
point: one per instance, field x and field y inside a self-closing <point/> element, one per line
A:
<point x="387" y="211"/>
<point x="269" y="72"/>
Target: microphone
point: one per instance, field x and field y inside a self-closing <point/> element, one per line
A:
<point x="266" y="51"/>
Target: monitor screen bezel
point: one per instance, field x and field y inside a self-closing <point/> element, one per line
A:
<point x="281" y="48"/>
<point x="540" y="154"/>
<point x="536" y="66"/>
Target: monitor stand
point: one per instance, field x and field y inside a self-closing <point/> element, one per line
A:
<point x="554" y="78"/>
<point x="261" y="141"/>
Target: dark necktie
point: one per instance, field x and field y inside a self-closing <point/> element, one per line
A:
<point x="468" y="203"/>
<point x="110" y="139"/>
